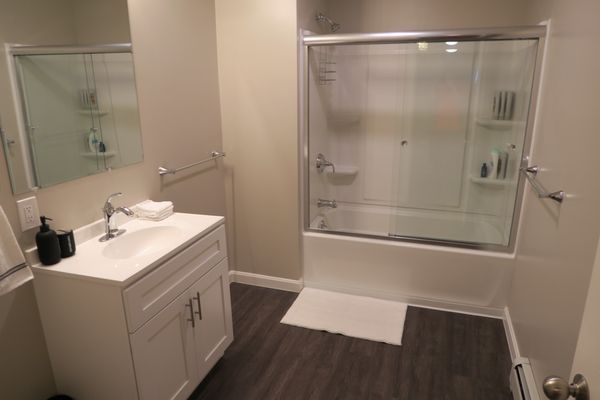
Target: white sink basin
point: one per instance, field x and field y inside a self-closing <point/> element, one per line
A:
<point x="141" y="242"/>
<point x="144" y="245"/>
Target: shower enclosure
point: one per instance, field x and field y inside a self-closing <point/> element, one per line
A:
<point x="419" y="136"/>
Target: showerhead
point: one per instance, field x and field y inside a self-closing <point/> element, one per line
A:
<point x="333" y="26"/>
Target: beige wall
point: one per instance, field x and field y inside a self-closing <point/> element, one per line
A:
<point x="257" y="71"/>
<point x="175" y="61"/>
<point x="101" y="22"/>
<point x="25" y="368"/>
<point x="557" y="245"/>
<point x="399" y="15"/>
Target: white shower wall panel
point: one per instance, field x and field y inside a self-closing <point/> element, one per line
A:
<point x="381" y="98"/>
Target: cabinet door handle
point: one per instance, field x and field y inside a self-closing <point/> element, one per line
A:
<point x="199" y="312"/>
<point x="191" y="306"/>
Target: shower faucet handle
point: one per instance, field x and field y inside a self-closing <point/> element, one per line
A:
<point x="321" y="163"/>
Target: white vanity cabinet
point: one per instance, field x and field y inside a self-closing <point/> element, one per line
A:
<point x="179" y="346"/>
<point x="155" y="336"/>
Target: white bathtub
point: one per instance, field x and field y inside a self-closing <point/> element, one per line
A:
<point x="452" y="278"/>
<point x="381" y="221"/>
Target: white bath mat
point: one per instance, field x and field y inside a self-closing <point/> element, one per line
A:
<point x="356" y="316"/>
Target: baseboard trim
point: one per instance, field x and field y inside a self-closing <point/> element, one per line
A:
<point x="511" y="337"/>
<point x="296" y="285"/>
<point x="271" y="282"/>
<point x="434" y="304"/>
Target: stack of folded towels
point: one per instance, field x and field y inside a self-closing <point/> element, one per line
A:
<point x="154" y="210"/>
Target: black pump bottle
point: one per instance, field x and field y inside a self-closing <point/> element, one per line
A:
<point x="47" y="243"/>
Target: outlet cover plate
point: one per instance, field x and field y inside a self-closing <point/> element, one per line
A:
<point x="29" y="214"/>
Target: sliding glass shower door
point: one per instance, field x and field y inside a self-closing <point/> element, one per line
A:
<point x="426" y="138"/>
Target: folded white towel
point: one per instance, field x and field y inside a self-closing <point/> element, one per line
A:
<point x="156" y="218"/>
<point x="160" y="215"/>
<point x="13" y="269"/>
<point x="153" y="207"/>
<point x="146" y="213"/>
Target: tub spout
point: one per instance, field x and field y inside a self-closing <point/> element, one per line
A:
<point x="326" y="203"/>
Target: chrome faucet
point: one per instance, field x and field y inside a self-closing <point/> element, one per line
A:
<point x="108" y="210"/>
<point x="322" y="163"/>
<point x="326" y="203"/>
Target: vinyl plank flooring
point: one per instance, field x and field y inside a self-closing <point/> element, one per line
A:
<point x="444" y="356"/>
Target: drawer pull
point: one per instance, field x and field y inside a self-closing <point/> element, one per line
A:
<point x="199" y="312"/>
<point x="192" y="320"/>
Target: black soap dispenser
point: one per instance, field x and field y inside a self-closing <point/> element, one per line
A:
<point x="47" y="243"/>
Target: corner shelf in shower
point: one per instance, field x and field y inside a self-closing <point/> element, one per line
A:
<point x="97" y="113"/>
<point x="498" y="124"/>
<point x="107" y="154"/>
<point x="343" y="118"/>
<point x="342" y="171"/>
<point x="491" y="181"/>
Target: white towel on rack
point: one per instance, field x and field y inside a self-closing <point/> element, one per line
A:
<point x="14" y="271"/>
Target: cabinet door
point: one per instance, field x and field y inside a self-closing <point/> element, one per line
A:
<point x="214" y="327"/>
<point x="164" y="354"/>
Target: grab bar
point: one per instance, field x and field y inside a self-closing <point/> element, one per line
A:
<point x="213" y="156"/>
<point x="530" y="173"/>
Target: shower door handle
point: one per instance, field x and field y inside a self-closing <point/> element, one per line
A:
<point x="7" y="140"/>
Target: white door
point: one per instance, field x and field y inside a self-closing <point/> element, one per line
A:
<point x="587" y="355"/>
<point x="163" y="353"/>
<point x="214" y="327"/>
<point x="586" y="363"/>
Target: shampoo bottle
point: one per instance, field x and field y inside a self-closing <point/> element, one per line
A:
<point x="484" y="171"/>
<point x="47" y="243"/>
<point x="493" y="172"/>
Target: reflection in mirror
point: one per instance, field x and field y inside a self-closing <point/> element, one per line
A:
<point x="79" y="113"/>
<point x="72" y="110"/>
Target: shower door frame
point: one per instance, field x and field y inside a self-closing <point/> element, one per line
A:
<point x="307" y="40"/>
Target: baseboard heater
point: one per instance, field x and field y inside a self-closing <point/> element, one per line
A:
<point x="522" y="384"/>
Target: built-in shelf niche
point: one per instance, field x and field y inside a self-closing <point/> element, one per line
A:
<point x="499" y="124"/>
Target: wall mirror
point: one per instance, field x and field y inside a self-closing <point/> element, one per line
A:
<point x="68" y="104"/>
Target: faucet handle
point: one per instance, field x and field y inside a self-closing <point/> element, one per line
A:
<point x="108" y="200"/>
<point x="322" y="162"/>
<point x="108" y="207"/>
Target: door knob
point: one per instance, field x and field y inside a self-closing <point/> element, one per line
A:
<point x="556" y="388"/>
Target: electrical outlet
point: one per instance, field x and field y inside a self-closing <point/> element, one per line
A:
<point x="29" y="214"/>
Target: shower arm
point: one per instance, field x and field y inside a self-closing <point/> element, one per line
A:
<point x="333" y="26"/>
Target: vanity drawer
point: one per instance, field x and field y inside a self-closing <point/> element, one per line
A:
<point x="153" y="292"/>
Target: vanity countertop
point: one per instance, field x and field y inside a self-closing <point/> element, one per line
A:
<point x="121" y="261"/>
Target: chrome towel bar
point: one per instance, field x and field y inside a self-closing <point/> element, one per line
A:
<point x="531" y="173"/>
<point x="213" y="156"/>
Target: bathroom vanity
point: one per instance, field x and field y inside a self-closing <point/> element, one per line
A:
<point x="143" y="316"/>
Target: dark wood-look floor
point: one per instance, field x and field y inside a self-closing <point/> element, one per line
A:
<point x="444" y="356"/>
